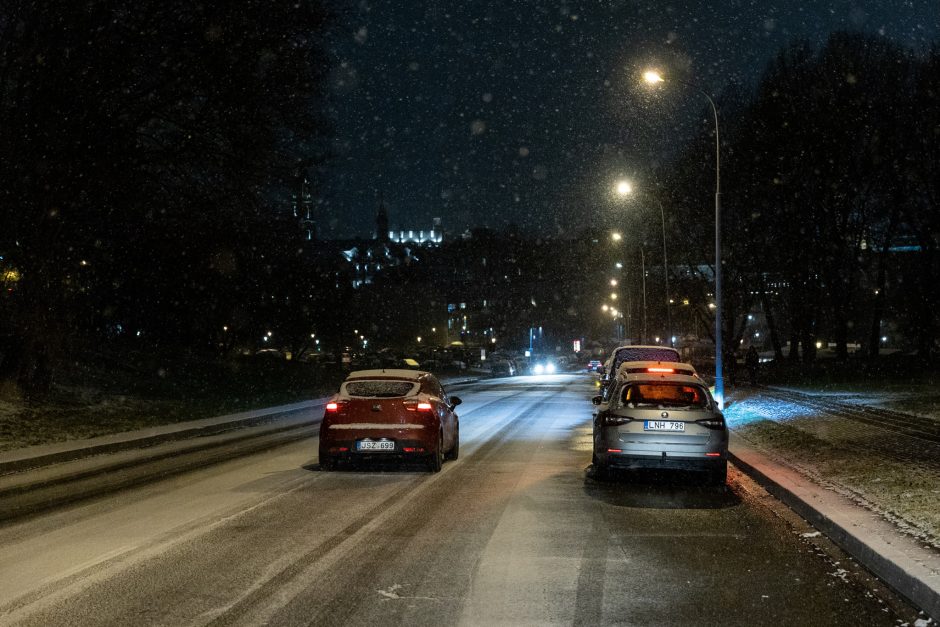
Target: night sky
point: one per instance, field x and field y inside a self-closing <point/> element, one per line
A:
<point x="500" y="112"/>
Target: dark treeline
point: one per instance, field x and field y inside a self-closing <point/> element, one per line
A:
<point x="148" y="153"/>
<point x="142" y="148"/>
<point x="831" y="198"/>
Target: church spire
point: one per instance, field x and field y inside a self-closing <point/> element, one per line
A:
<point x="381" y="220"/>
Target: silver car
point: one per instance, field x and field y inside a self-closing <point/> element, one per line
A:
<point x="657" y="419"/>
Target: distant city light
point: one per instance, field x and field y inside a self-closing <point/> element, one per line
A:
<point x="618" y="265"/>
<point x="616" y="236"/>
<point x="652" y="77"/>
<point x="624" y="188"/>
<point x="613" y="282"/>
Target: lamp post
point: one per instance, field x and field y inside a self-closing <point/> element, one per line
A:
<point x="624" y="188"/>
<point x="662" y="217"/>
<point x="652" y="77"/>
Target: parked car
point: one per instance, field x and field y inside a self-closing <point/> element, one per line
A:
<point x="390" y="414"/>
<point x="656" y="418"/>
<point x="503" y="368"/>
<point x="593" y="365"/>
<point x="635" y="353"/>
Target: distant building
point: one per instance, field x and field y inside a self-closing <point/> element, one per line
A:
<point x="432" y="236"/>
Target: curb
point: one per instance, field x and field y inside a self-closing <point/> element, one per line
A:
<point x="896" y="559"/>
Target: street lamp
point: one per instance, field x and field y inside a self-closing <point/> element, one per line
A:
<point x="652" y="77"/>
<point x="623" y="189"/>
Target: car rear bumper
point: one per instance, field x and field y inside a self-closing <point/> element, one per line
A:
<point x="622" y="449"/>
<point x="408" y="445"/>
<point x="675" y="462"/>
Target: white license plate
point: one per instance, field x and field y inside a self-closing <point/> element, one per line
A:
<point x="370" y="445"/>
<point x="663" y="425"/>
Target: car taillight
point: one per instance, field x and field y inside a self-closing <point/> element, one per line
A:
<point x="613" y="421"/>
<point x="712" y="423"/>
<point x="332" y="406"/>
<point x="666" y="370"/>
<point x="335" y="406"/>
<point x="416" y="406"/>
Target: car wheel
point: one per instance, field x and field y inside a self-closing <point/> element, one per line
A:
<point x="455" y="449"/>
<point x="719" y="476"/>
<point x="436" y="461"/>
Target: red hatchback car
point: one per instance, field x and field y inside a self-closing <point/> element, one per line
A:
<point x="390" y="414"/>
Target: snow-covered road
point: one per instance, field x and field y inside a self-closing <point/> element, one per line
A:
<point x="511" y="533"/>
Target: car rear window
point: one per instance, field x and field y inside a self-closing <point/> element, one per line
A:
<point x="651" y="353"/>
<point x="383" y="389"/>
<point x="664" y="394"/>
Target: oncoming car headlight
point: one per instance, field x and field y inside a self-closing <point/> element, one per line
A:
<point x="543" y="367"/>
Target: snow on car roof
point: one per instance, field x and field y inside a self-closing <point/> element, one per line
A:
<point x="388" y="373"/>
<point x="634" y="377"/>
<point x="678" y="365"/>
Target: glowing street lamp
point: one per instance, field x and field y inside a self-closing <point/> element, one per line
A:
<point x="653" y="77"/>
<point x="616" y="236"/>
<point x="624" y="188"/>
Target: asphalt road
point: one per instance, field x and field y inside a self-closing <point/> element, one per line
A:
<point x="512" y="533"/>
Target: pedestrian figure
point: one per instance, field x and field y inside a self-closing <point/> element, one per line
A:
<point x="751" y="359"/>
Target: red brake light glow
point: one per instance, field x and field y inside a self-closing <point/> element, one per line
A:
<point x="712" y="454"/>
<point x="668" y="370"/>
<point x="424" y="407"/>
<point x="332" y="406"/>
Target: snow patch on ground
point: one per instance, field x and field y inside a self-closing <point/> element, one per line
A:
<point x="849" y="458"/>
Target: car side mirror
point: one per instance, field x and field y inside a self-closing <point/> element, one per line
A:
<point x="455" y="400"/>
<point x="597" y="400"/>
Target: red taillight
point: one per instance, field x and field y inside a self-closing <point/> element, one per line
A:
<point x="332" y="407"/>
<point x="416" y="406"/>
<point x="615" y="450"/>
<point x="666" y="370"/>
<point x="712" y="454"/>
